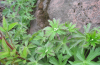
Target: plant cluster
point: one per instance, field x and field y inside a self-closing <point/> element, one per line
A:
<point x="19" y="11"/>
<point x="57" y="44"/>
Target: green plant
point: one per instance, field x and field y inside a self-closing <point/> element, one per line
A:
<point x="81" y="59"/>
<point x="54" y="29"/>
<point x="18" y="16"/>
<point x="57" y="44"/>
<point x="19" y="11"/>
<point x="62" y="59"/>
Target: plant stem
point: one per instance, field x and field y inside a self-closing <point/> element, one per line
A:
<point x="10" y="39"/>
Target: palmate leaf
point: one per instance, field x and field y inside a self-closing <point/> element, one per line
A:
<point x="44" y="61"/>
<point x="50" y="23"/>
<point x="92" y="39"/>
<point x="45" y="50"/>
<point x="34" y="35"/>
<point x="86" y="61"/>
<point x="78" y="34"/>
<point x="78" y="38"/>
<point x="80" y="55"/>
<point x="70" y="27"/>
<point x="40" y="37"/>
<point x="6" y="11"/>
<point x="62" y="60"/>
<point x="54" y="23"/>
<point x="53" y="61"/>
<point x="86" y="29"/>
<point x="41" y="51"/>
<point x="49" y="31"/>
<point x="76" y="63"/>
<point x="52" y="36"/>
<point x="62" y="46"/>
<point x="76" y="43"/>
<point x="60" y="32"/>
<point x="54" y="29"/>
<point x="93" y="53"/>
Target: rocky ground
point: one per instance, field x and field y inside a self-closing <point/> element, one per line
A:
<point x="81" y="12"/>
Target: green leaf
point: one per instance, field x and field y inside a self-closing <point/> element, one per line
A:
<point x="13" y="52"/>
<point x="24" y="54"/>
<point x="73" y="26"/>
<point x="65" y="59"/>
<point x="62" y="59"/>
<point x="76" y="63"/>
<point x="80" y="56"/>
<point x="8" y="62"/>
<point x="76" y="43"/>
<point x="4" y="55"/>
<point x="50" y="23"/>
<point x="67" y="49"/>
<point x="78" y="34"/>
<point x="35" y="34"/>
<point x="52" y="36"/>
<point x="93" y="53"/>
<point x="5" y="26"/>
<point x="53" y="61"/>
<point x="86" y="29"/>
<point x="4" y="45"/>
<point x="47" y="28"/>
<point x="41" y="51"/>
<point x="31" y="46"/>
<point x="37" y="38"/>
<point x="81" y="60"/>
<point x="1" y="29"/>
<point x="18" y="60"/>
<point x="12" y="25"/>
<point x="24" y="61"/>
<point x="48" y="33"/>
